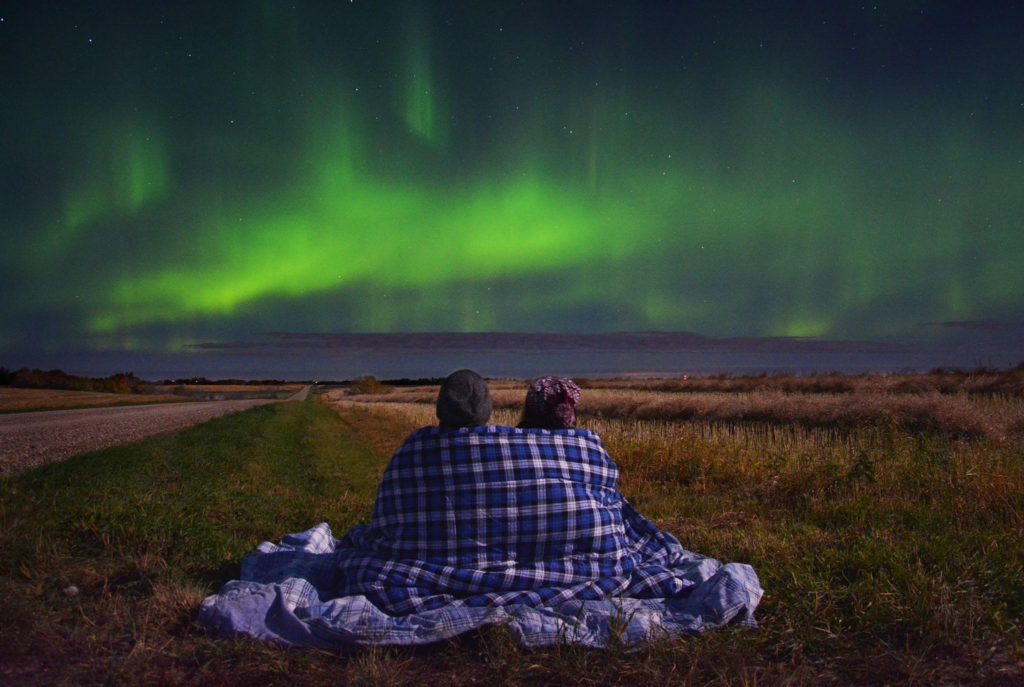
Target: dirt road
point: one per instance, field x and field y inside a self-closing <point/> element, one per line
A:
<point x="31" y="439"/>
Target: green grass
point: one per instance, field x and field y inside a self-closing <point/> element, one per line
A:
<point x="144" y="531"/>
<point x="875" y="546"/>
<point x="886" y="557"/>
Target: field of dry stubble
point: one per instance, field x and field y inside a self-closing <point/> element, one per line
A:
<point x="881" y="513"/>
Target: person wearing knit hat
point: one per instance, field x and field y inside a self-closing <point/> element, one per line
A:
<point x="551" y="404"/>
<point x="464" y="400"/>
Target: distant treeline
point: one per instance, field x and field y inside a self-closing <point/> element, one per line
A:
<point x="372" y="385"/>
<point x="402" y="381"/>
<point x="225" y="382"/>
<point x="120" y="383"/>
<point x="419" y="381"/>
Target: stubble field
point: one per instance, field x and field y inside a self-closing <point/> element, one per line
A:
<point x="887" y="539"/>
<point x="15" y="400"/>
<point x="883" y="514"/>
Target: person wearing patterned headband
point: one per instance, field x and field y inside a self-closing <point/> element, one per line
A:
<point x="551" y="404"/>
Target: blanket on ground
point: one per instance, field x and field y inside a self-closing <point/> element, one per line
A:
<point x="526" y="528"/>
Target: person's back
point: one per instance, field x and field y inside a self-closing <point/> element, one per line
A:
<point x="489" y="498"/>
<point x="487" y="495"/>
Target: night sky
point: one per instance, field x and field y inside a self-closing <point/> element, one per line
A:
<point x="184" y="172"/>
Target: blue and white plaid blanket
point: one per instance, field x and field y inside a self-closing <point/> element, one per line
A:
<point x="472" y="527"/>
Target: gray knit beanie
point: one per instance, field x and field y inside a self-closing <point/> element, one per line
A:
<point x="464" y="400"/>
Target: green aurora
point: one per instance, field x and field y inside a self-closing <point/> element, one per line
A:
<point x="175" y="172"/>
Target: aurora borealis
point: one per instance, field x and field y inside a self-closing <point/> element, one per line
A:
<point x="183" y="172"/>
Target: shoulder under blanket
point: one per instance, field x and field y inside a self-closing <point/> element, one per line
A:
<point x="479" y="526"/>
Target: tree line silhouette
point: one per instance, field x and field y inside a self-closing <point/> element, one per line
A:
<point x="119" y="383"/>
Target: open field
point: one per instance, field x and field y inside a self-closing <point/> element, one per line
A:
<point x="926" y="403"/>
<point x="888" y="555"/>
<point x="981" y="381"/>
<point x="15" y="400"/>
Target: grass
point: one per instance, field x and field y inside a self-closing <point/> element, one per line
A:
<point x="16" y="400"/>
<point x="999" y="417"/>
<point x="145" y="531"/>
<point x="978" y="381"/>
<point x="887" y="556"/>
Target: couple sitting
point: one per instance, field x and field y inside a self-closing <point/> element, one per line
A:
<point x="478" y="524"/>
<point x="465" y="401"/>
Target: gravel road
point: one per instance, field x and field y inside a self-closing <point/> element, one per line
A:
<point x="31" y="439"/>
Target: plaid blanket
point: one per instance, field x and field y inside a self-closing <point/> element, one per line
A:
<point x="487" y="525"/>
